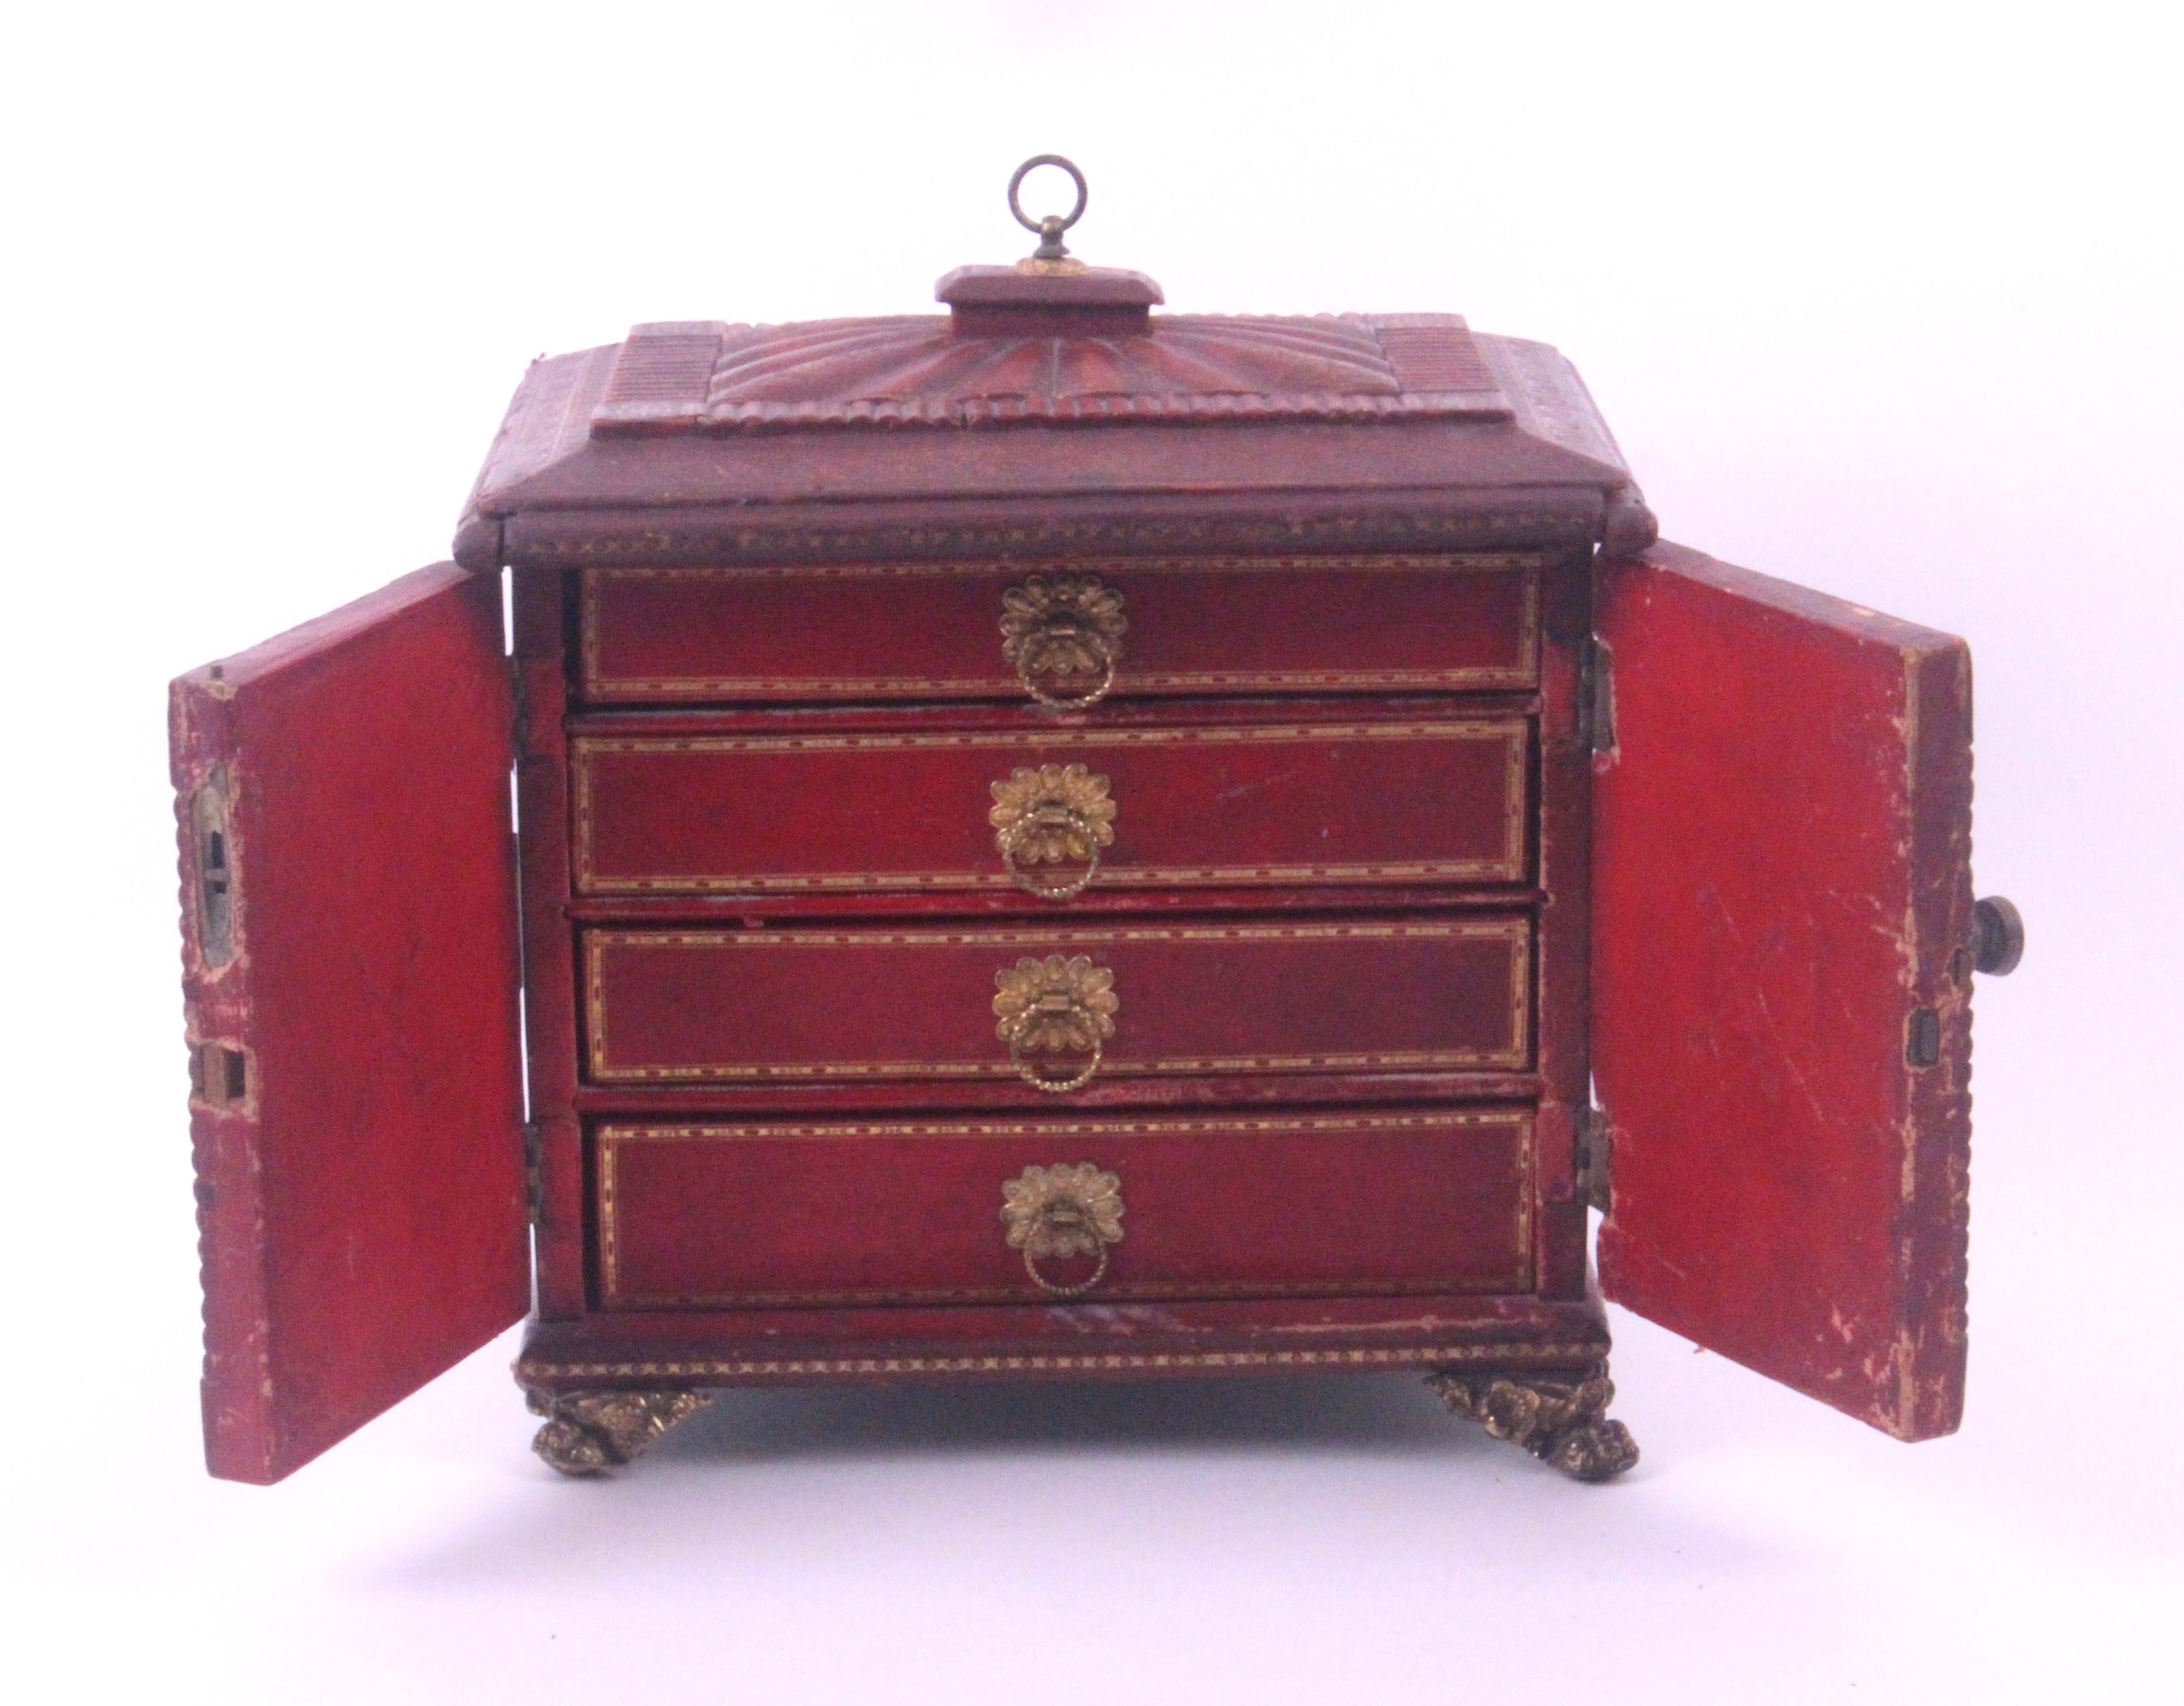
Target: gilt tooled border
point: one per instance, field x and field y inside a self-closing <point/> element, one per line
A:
<point x="695" y="544"/>
<point x="1110" y="1291"/>
<point x="1517" y="933"/>
<point x="1509" y="867"/>
<point x="1521" y="674"/>
<point x="1574" y="1351"/>
<point x="611" y="1138"/>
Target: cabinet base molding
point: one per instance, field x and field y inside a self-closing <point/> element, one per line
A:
<point x="1560" y="1419"/>
<point x="588" y="1433"/>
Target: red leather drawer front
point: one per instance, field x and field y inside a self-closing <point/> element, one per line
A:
<point x="932" y="631"/>
<point x="1355" y="802"/>
<point x="840" y="1004"/>
<point x="910" y="1212"/>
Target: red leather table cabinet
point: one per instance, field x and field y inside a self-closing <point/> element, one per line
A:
<point x="1052" y="841"/>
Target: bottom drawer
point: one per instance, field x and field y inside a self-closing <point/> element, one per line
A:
<point x="912" y="1211"/>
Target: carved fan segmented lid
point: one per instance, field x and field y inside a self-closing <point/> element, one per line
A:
<point x="927" y="371"/>
<point x="1371" y="421"/>
<point x="1049" y="339"/>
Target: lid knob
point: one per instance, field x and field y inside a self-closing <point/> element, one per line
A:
<point x="1050" y="293"/>
<point x="1050" y="228"/>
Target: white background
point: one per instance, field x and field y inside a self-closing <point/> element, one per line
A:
<point x="1883" y="300"/>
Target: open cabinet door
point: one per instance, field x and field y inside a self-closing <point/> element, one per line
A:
<point x="349" y="973"/>
<point x="1782" y="979"/>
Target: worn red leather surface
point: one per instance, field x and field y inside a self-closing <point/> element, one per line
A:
<point x="907" y="630"/>
<point x="1781" y="883"/>
<point x="1380" y="798"/>
<point x="861" y="411"/>
<point x="855" y="1005"/>
<point x="907" y="1210"/>
<point x="994" y="362"/>
<point x="361" y="1201"/>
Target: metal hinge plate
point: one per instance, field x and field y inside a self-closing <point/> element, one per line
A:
<point x="534" y="1183"/>
<point x="1595" y="1157"/>
<point x="1597" y="694"/>
<point x="519" y="702"/>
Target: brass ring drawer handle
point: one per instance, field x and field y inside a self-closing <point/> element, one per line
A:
<point x="1055" y="1007"/>
<point x="1056" y="815"/>
<point x="1061" y="631"/>
<point x="1057" y="1212"/>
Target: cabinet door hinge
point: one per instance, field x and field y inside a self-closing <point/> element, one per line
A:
<point x="534" y="1182"/>
<point x="519" y="697"/>
<point x="1594" y="1154"/>
<point x="1597" y="694"/>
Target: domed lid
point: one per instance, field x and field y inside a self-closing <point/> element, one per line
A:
<point x="966" y="405"/>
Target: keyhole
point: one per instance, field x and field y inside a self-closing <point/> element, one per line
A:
<point x="215" y="878"/>
<point x="219" y="1075"/>
<point x="1922" y="1038"/>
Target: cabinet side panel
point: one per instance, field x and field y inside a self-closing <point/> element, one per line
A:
<point x="1782" y="1013"/>
<point x="350" y="987"/>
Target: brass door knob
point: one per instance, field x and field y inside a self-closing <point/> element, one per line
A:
<point x="1057" y="1212"/>
<point x="1056" y="814"/>
<point x="1063" y="634"/>
<point x="1056" y="1008"/>
<point x="1998" y="936"/>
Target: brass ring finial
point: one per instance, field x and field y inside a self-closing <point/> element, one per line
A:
<point x="1051" y="228"/>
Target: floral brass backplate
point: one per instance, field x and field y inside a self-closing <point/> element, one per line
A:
<point x="1063" y="634"/>
<point x="1061" y="1005"/>
<point x="1055" y="1213"/>
<point x="1054" y="814"/>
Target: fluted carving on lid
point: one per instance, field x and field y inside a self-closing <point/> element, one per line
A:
<point x="918" y="371"/>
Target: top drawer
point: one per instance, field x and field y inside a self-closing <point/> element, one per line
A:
<point x="1063" y="632"/>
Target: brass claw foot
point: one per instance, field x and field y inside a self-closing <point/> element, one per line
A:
<point x="589" y="1433"/>
<point x="1560" y="1419"/>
